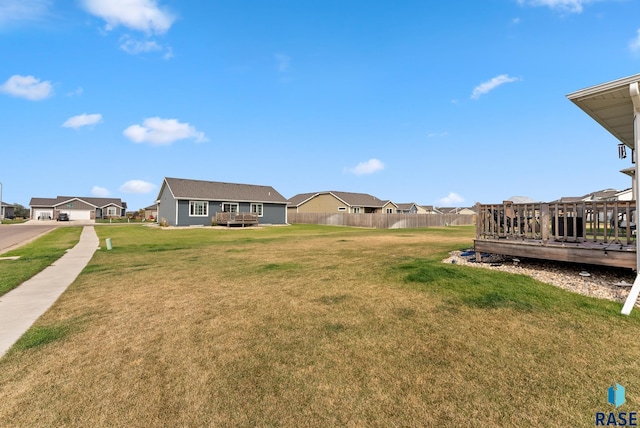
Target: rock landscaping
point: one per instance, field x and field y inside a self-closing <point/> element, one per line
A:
<point x="595" y="281"/>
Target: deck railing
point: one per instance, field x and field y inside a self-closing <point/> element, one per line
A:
<point x="227" y="218"/>
<point x="602" y="221"/>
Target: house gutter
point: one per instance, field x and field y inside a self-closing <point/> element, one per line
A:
<point x="634" y="92"/>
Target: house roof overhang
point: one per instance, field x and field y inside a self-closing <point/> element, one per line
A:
<point x="611" y="105"/>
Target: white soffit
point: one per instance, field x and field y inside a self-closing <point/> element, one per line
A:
<point x="610" y="105"/>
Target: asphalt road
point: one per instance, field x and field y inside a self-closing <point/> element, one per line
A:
<point x="14" y="235"/>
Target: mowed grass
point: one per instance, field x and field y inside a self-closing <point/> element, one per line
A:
<point x="313" y="326"/>
<point x="36" y="256"/>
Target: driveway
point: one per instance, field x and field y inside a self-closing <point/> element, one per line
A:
<point x="14" y="235"/>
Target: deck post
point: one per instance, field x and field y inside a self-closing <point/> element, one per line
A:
<point x="480" y="225"/>
<point x="634" y="92"/>
<point x="544" y="222"/>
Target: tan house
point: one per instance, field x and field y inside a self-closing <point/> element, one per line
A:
<point x="411" y="208"/>
<point x="339" y="202"/>
<point x="430" y="209"/>
<point x="456" y="210"/>
<point x="151" y="212"/>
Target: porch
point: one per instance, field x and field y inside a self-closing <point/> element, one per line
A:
<point x="599" y="232"/>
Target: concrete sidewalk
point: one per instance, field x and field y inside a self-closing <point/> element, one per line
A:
<point x="23" y="305"/>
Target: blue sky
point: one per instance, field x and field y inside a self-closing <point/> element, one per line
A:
<point x="434" y="102"/>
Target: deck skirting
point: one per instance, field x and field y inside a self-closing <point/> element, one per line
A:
<point x="611" y="254"/>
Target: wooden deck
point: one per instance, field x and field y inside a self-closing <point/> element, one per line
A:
<point x="601" y="233"/>
<point x="236" y="219"/>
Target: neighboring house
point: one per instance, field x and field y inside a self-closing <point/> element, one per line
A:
<point x="430" y="209"/>
<point x="151" y="212"/>
<point x="600" y="195"/>
<point x="411" y="208"/>
<point x="77" y="207"/>
<point x="522" y="200"/>
<point x="625" y="195"/>
<point x="339" y="202"/>
<point x="456" y="210"/>
<point x="6" y="210"/>
<point x="183" y="202"/>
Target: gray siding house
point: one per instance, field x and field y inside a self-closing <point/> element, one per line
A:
<point x="183" y="202"/>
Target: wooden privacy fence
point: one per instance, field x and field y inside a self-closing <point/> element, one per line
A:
<point x="383" y="221"/>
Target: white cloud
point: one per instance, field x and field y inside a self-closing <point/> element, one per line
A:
<point x="82" y="120"/>
<point x="437" y="134"/>
<point x="139" y="15"/>
<point x="137" y="186"/>
<point x="23" y="10"/>
<point x="27" y="87"/>
<point x="134" y="47"/>
<point x="168" y="54"/>
<point x="76" y="92"/>
<point x="634" y="44"/>
<point x="570" y="6"/>
<point x="283" y="62"/>
<point x="159" y="132"/>
<point x="100" y="192"/>
<point x="368" y="167"/>
<point x="490" y="85"/>
<point x="452" y="199"/>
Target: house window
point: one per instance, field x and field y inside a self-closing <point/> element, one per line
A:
<point x="198" y="208"/>
<point x="256" y="209"/>
<point x="389" y="210"/>
<point x="342" y="208"/>
<point x="111" y="211"/>
<point x="229" y="207"/>
<point x="356" y="210"/>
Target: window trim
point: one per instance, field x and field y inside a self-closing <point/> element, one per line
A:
<point x="192" y="205"/>
<point x="342" y="208"/>
<point x="256" y="204"/>
<point x="115" y="211"/>
<point x="237" y="205"/>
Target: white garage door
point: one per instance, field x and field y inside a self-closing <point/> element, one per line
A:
<point x="43" y="214"/>
<point x="79" y="214"/>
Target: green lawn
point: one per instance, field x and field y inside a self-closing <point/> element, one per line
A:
<point x="36" y="256"/>
<point x="313" y="326"/>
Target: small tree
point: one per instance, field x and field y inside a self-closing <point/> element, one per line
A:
<point x="20" y="211"/>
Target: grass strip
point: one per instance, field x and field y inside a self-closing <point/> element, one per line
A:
<point x="35" y="256"/>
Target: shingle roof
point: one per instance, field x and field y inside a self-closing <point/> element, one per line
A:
<point x="452" y="210"/>
<point x="300" y="198"/>
<point x="213" y="190"/>
<point x="350" y="198"/>
<point x="521" y="200"/>
<point x="406" y="206"/>
<point x="97" y="202"/>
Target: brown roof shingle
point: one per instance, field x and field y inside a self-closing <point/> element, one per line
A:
<point x="350" y="198"/>
<point x="213" y="190"/>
